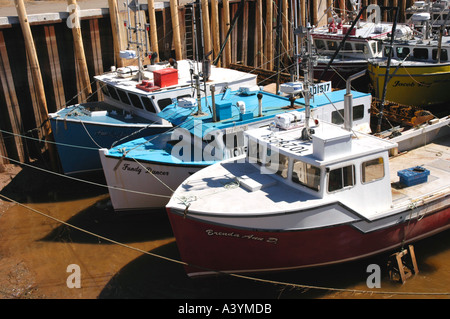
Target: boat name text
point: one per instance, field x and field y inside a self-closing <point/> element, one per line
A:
<point x="138" y="170"/>
<point x="271" y="240"/>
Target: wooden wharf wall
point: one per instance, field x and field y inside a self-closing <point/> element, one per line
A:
<point x="54" y="44"/>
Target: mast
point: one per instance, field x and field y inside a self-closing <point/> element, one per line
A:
<point x="141" y="41"/>
<point x="308" y="60"/>
<point x="388" y="67"/>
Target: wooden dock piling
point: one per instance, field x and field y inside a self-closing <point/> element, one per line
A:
<point x="114" y="16"/>
<point x="37" y="78"/>
<point x="153" y="28"/>
<point x="80" y="57"/>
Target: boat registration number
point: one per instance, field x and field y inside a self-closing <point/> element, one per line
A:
<point x="321" y="88"/>
<point x="236" y="129"/>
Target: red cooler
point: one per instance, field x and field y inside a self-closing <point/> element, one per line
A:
<point x="165" y="77"/>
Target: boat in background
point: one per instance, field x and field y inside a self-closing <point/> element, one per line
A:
<point x="363" y="42"/>
<point x="133" y="97"/>
<point x="436" y="12"/>
<point x="418" y="71"/>
<point x="299" y="200"/>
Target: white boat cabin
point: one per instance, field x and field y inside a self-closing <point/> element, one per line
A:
<point x="420" y="50"/>
<point x="364" y="41"/>
<point x="334" y="165"/>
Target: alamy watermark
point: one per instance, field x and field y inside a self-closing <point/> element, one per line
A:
<point x="74" y="279"/>
<point x="73" y="21"/>
<point x="374" y="279"/>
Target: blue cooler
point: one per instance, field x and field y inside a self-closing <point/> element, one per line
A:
<point x="413" y="176"/>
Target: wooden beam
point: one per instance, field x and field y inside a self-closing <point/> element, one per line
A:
<point x="244" y="39"/>
<point x="12" y="104"/>
<point x="259" y="43"/>
<point x="55" y="66"/>
<point x="269" y="35"/>
<point x="37" y="77"/>
<point x="286" y="32"/>
<point x="153" y="28"/>
<point x="215" y="29"/>
<point x="78" y="46"/>
<point x="176" y="29"/>
<point x="206" y="28"/>
<point x="96" y="53"/>
<point x="234" y="35"/>
<point x="225" y="28"/>
<point x="114" y="17"/>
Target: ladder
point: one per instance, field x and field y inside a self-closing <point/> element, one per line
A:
<point x="189" y="22"/>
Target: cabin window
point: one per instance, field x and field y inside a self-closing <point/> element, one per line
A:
<point x="277" y="163"/>
<point x="386" y="52"/>
<point x="164" y="102"/>
<point x="402" y="52"/>
<point x="348" y="47"/>
<point x="254" y="152"/>
<point x="112" y="92"/>
<point x="135" y="100"/>
<point x="374" y="47"/>
<point x="444" y="56"/>
<point x="123" y="96"/>
<point x="105" y="90"/>
<point x="360" y="47"/>
<point x="306" y="175"/>
<point x="148" y="104"/>
<point x="341" y="177"/>
<point x="372" y="170"/>
<point x="421" y="53"/>
<point x="337" y="117"/>
<point x="320" y="44"/>
<point x="332" y="45"/>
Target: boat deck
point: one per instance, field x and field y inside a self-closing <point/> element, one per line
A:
<point x="434" y="157"/>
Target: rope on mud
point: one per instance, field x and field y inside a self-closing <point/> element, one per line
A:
<point x="292" y="285"/>
<point x="83" y="180"/>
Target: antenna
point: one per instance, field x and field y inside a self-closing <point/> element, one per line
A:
<point x="141" y="37"/>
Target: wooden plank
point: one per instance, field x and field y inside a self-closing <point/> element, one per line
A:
<point x="244" y="39"/>
<point x="96" y="53"/>
<point x="286" y="33"/>
<point x="215" y="29"/>
<point x="413" y="259"/>
<point x="234" y="36"/>
<point x="206" y="28"/>
<point x="55" y="66"/>
<point x="3" y="153"/>
<point x="153" y="28"/>
<point x="225" y="28"/>
<point x="269" y="35"/>
<point x="115" y="30"/>
<point x="176" y="29"/>
<point x="12" y="104"/>
<point x="259" y="43"/>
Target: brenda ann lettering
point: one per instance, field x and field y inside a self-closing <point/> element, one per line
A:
<point x="138" y="169"/>
<point x="271" y="240"/>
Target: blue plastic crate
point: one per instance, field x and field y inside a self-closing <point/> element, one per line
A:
<point x="246" y="116"/>
<point x="413" y="176"/>
<point x="223" y="110"/>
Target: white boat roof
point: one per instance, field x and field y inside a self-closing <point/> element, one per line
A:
<point x="218" y="75"/>
<point x="365" y="31"/>
<point x="352" y="144"/>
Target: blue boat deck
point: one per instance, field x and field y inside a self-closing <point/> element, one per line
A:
<point x="100" y="112"/>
